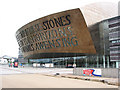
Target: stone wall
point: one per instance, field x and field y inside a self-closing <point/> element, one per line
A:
<point x="106" y="72"/>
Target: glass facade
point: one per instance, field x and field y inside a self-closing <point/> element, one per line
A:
<point x="82" y="61"/>
<point x="114" y="38"/>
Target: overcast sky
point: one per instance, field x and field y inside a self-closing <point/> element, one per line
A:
<point x="16" y="13"/>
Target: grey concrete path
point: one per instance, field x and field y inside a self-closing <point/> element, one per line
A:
<point x="42" y="81"/>
<point x="5" y="71"/>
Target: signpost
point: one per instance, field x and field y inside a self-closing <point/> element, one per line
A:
<point x="92" y="72"/>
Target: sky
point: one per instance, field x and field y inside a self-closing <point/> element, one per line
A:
<point x="16" y="13"/>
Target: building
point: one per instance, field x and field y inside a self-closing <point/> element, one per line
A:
<point x="105" y="35"/>
<point x="114" y="39"/>
<point x="21" y="58"/>
<point x="3" y="61"/>
<point x="7" y="59"/>
<point x="95" y="47"/>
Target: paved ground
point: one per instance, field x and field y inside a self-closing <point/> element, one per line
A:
<point x="41" y="81"/>
<point x="36" y="78"/>
<point x="5" y="70"/>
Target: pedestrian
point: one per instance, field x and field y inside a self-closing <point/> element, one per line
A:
<point x="9" y="64"/>
<point x="12" y="64"/>
<point x="23" y="65"/>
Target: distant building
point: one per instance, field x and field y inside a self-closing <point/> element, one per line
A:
<point x="3" y="61"/>
<point x="7" y="59"/>
<point x="21" y="58"/>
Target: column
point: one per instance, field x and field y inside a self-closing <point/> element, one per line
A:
<point x="74" y="60"/>
<point x="108" y="62"/>
<point x="74" y="64"/>
<point x="63" y="63"/>
<point x="117" y="64"/>
<point x="86" y="63"/>
<point x="66" y="63"/>
<point x="103" y="61"/>
<point x="97" y="61"/>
